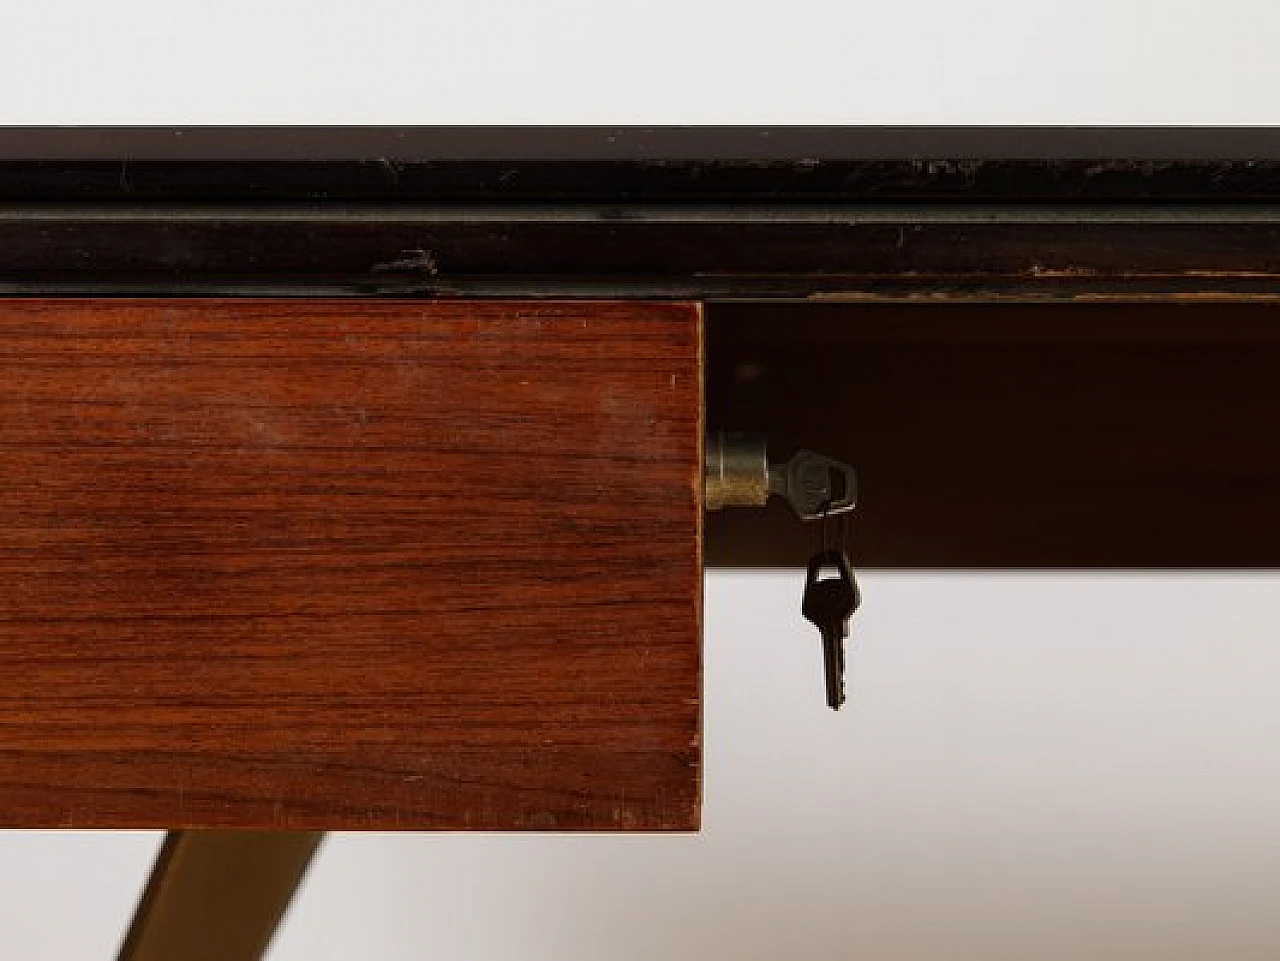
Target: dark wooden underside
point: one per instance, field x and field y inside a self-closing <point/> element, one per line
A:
<point x="861" y="251"/>
<point x="335" y="566"/>
<point x="1014" y="436"/>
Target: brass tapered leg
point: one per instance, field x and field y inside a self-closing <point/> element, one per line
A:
<point x="217" y="895"/>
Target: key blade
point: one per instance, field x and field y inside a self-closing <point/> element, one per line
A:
<point x="833" y="656"/>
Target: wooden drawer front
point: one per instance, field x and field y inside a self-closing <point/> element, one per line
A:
<point x="348" y="564"/>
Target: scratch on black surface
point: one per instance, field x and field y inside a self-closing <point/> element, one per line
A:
<point x="392" y="168"/>
<point x="417" y="260"/>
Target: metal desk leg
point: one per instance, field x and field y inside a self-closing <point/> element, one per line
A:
<point x="217" y="895"/>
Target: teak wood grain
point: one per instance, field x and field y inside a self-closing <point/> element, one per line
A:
<point x="345" y="564"/>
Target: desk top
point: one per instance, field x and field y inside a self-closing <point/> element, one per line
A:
<point x="672" y="143"/>
<point x="687" y="212"/>
<point x="632" y="164"/>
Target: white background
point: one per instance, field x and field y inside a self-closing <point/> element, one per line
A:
<point x="1046" y="767"/>
<point x="639" y="61"/>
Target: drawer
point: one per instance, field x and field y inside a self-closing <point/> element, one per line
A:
<point x="350" y="564"/>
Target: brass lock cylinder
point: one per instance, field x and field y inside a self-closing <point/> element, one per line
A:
<point x="737" y="470"/>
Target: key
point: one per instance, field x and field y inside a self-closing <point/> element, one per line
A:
<point x="816" y="486"/>
<point x="829" y="602"/>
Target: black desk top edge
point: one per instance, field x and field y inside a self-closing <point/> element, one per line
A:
<point x="705" y="212"/>
<point x="661" y="143"/>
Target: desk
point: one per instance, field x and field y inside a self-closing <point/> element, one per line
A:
<point x="353" y="478"/>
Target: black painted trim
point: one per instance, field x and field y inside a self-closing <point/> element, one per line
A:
<point x="700" y="143"/>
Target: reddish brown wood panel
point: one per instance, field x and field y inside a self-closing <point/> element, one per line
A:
<point x="345" y="564"/>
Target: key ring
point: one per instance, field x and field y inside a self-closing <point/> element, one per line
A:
<point x="832" y="537"/>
